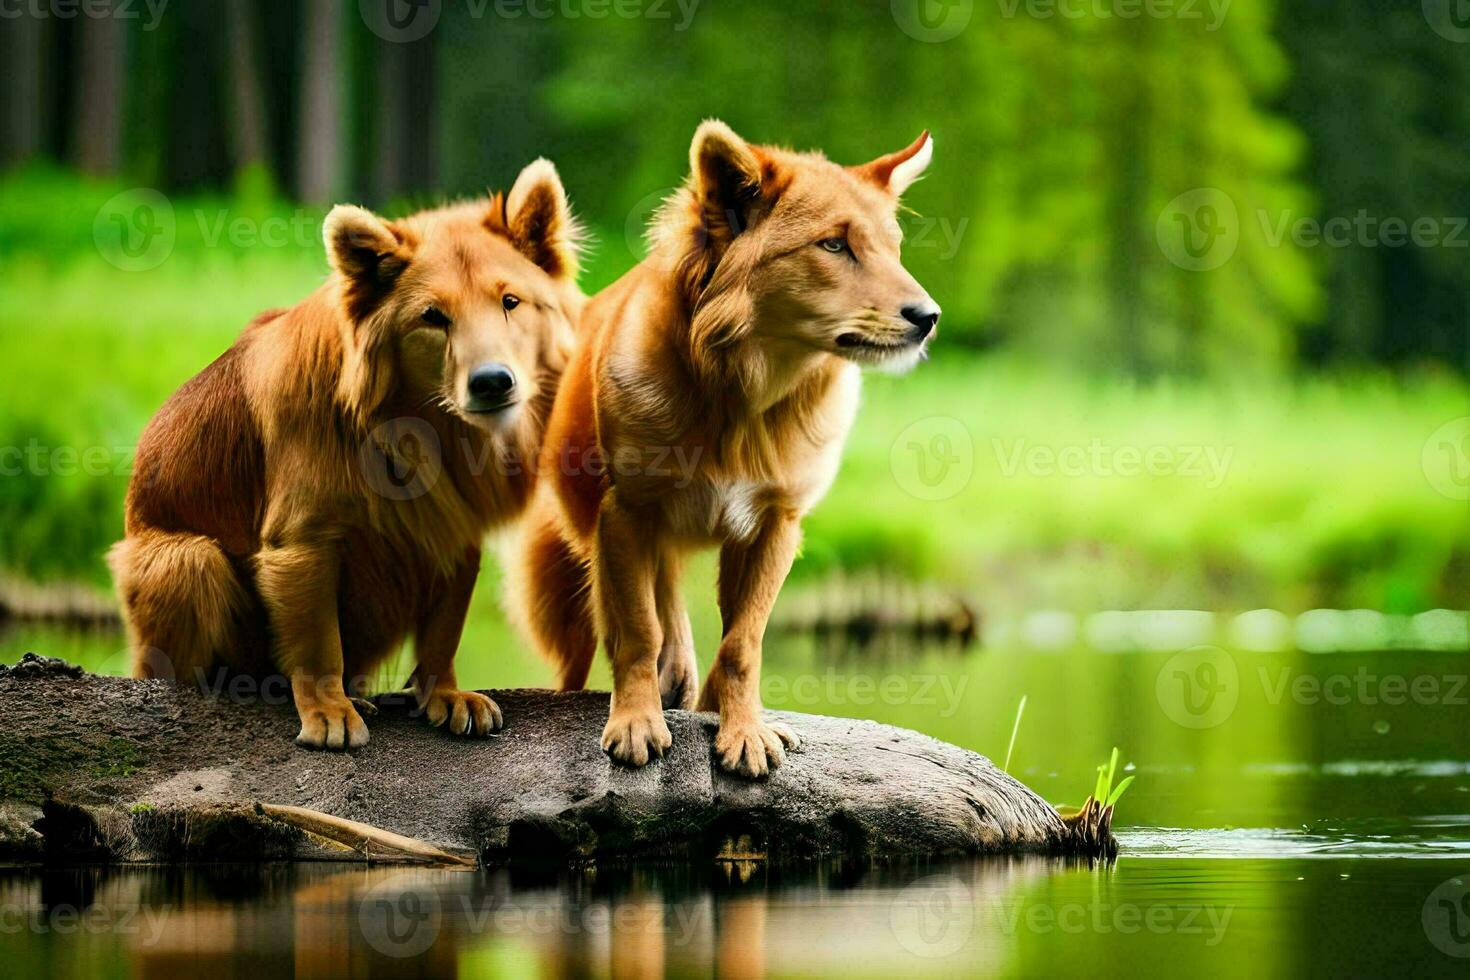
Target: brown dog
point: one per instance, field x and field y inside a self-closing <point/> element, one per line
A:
<point x="321" y="490"/>
<point x="708" y="402"/>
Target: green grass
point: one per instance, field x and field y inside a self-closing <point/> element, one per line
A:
<point x="1323" y="502"/>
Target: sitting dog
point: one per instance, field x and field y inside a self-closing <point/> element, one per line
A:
<point x="708" y="402"/>
<point x="320" y="492"/>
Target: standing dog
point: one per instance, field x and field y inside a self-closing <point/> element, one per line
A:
<point x="733" y="350"/>
<point x="321" y="490"/>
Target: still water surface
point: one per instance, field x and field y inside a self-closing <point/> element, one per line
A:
<point x="1291" y="814"/>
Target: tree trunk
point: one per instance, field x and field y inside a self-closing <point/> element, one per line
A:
<point x="319" y="137"/>
<point x="405" y="157"/>
<point x="249" y="138"/>
<point x="391" y="130"/>
<point x="22" y="46"/>
<point x="98" y="110"/>
<point x="128" y="770"/>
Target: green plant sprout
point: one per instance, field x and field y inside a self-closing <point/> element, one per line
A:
<point x="1015" y="730"/>
<point x="1104" y="793"/>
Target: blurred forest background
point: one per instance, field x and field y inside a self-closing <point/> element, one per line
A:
<point x="1062" y="143"/>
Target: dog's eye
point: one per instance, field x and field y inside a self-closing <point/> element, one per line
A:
<point x="510" y="302"/>
<point x="435" y="317"/>
<point x="834" y="245"/>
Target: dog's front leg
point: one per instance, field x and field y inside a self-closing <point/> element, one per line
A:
<point x="436" y="641"/>
<point x="624" y="569"/>
<point x="298" y="584"/>
<point x="751" y="575"/>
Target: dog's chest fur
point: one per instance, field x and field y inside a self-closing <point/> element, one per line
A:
<point x="786" y="463"/>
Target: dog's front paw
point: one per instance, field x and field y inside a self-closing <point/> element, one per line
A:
<point x="331" y="724"/>
<point x="751" y="747"/>
<point x="635" y="735"/>
<point x="467" y="712"/>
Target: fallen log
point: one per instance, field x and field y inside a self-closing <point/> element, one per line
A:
<point x="116" y="770"/>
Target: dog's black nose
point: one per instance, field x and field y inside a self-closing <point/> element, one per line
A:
<point x="924" y="317"/>
<point x="491" y="384"/>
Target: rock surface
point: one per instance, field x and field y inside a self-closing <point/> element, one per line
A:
<point x="106" y="768"/>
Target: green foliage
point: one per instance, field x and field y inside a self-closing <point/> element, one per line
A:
<point x="1330" y="509"/>
<point x="1058" y="143"/>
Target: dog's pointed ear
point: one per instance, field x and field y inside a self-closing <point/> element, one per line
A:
<point x="726" y="176"/>
<point x="541" y="222"/>
<point x="361" y="244"/>
<point x="896" y="172"/>
<point x="366" y="252"/>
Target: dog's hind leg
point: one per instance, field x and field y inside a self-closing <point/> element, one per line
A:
<point x="678" y="671"/>
<point x="181" y="598"/>
<point x="552" y="600"/>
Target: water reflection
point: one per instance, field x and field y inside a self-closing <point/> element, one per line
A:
<point x="630" y="922"/>
<point x="1239" y="916"/>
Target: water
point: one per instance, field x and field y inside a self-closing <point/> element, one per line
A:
<point x="1291" y="814"/>
<point x="1210" y="916"/>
